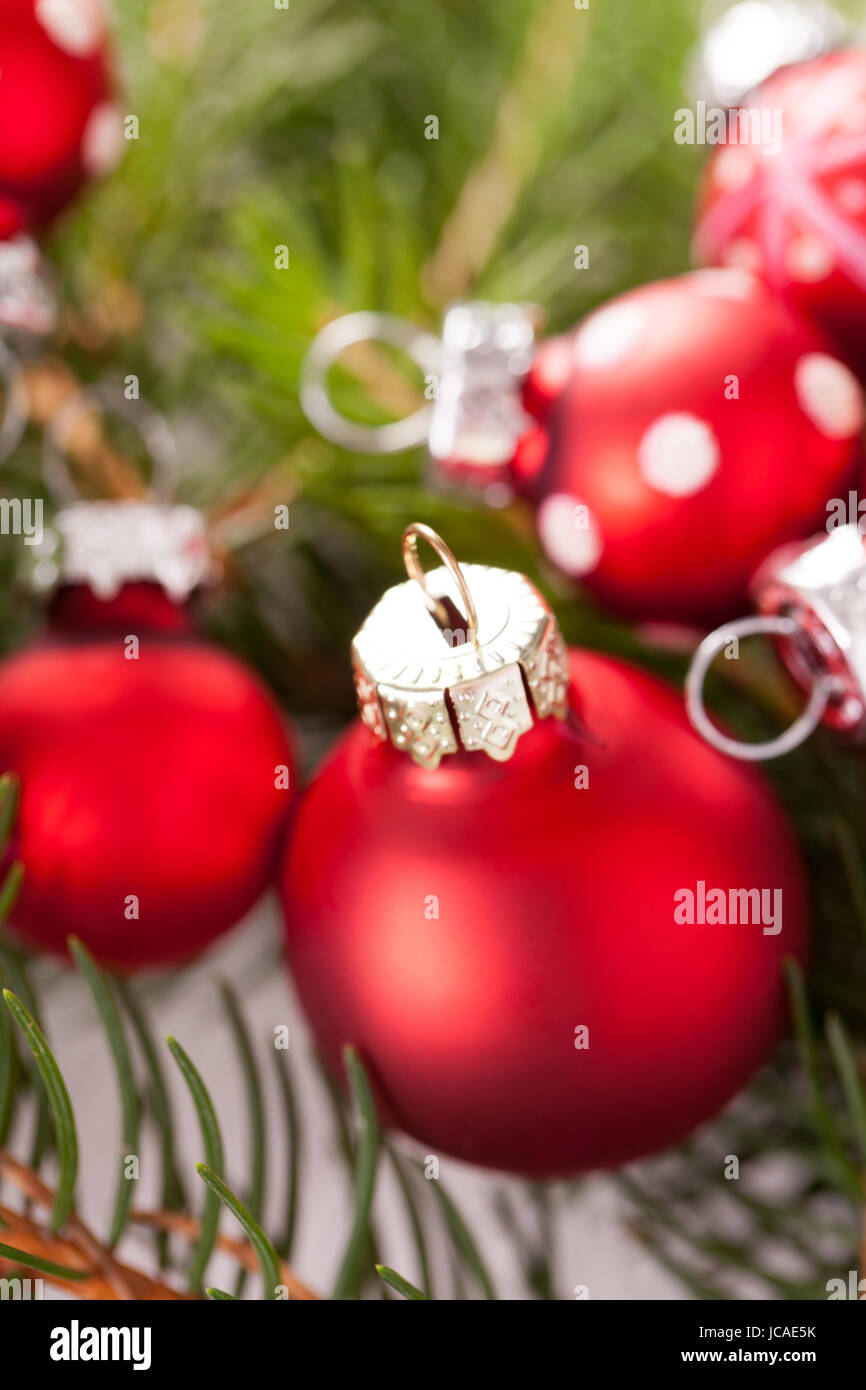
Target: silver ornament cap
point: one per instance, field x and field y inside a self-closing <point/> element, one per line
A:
<point x="811" y="598"/>
<point x="27" y="304"/>
<point x="465" y="656"/>
<point x="820" y="585"/>
<point x="28" y="313"/>
<point x="106" y="545"/>
<point x="478" y="418"/>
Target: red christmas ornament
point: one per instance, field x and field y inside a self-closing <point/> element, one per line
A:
<point x="787" y="198"/>
<point x="702" y="424"/>
<point x="493" y="904"/>
<point x="58" y="124"/>
<point x="680" y="434"/>
<point x="156" y="776"/>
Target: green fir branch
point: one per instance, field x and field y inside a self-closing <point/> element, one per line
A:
<point x="396" y="1281"/>
<point x="269" y="1263"/>
<point x="213" y="1148"/>
<point x="350" y="1277"/>
<point x="40" y="1266"/>
<point x="112" y="1025"/>
<point x="172" y="1190"/>
<point x="61" y="1108"/>
<point x="293" y="1151"/>
<point x="254" y="1195"/>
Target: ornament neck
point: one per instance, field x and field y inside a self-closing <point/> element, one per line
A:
<point x="465" y="775"/>
<point x="75" y="609"/>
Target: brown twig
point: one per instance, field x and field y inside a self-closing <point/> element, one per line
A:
<point x="78" y="1247"/>
<point x="41" y="1195"/>
<point x="250" y="514"/>
<point x="188" y="1227"/>
<point x="95" y="461"/>
<point x="28" y="1236"/>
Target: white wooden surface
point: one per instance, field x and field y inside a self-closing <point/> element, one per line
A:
<point x="592" y="1246"/>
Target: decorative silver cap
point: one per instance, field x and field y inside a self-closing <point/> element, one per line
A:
<point x="27" y="304"/>
<point x="431" y="682"/>
<point x="821" y="585"/>
<point x="108" y="544"/>
<point x="477" y="416"/>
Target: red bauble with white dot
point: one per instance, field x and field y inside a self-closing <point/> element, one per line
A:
<point x="58" y="124"/>
<point x="792" y="208"/>
<point x="701" y="424"/>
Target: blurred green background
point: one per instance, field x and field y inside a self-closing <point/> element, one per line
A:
<point x="305" y="127"/>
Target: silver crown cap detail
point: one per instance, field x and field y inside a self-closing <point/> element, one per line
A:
<point x="410" y="674"/>
<point x="108" y="544"/>
<point x="821" y="584"/>
<point x="27" y="304"/>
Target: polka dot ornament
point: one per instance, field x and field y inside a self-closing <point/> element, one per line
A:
<point x="786" y="198"/>
<point x="700" y="424"/>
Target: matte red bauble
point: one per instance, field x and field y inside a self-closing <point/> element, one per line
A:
<point x="498" y="889"/>
<point x="789" y="201"/>
<point x="156" y="776"/>
<point x="703" y="423"/>
<point x="58" y="124"/>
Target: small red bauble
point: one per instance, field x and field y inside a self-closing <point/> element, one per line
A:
<point x="156" y="779"/>
<point x="58" y="124"/>
<point x="498" y="935"/>
<point x="789" y="203"/>
<point x="702" y="424"/>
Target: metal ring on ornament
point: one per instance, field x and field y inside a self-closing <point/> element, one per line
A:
<point x="411" y="536"/>
<point x="797" y="733"/>
<point x="14" y="421"/>
<point x="328" y="345"/>
<point x="109" y="398"/>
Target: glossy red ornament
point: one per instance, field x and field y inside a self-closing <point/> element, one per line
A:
<point x="461" y="926"/>
<point x="154" y="779"/>
<point x="58" y="124"/>
<point x="702" y="424"/>
<point x="791" y="206"/>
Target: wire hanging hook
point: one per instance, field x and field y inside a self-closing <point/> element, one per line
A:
<point x="709" y="649"/>
<point x="328" y="345"/>
<point x="411" y="536"/>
